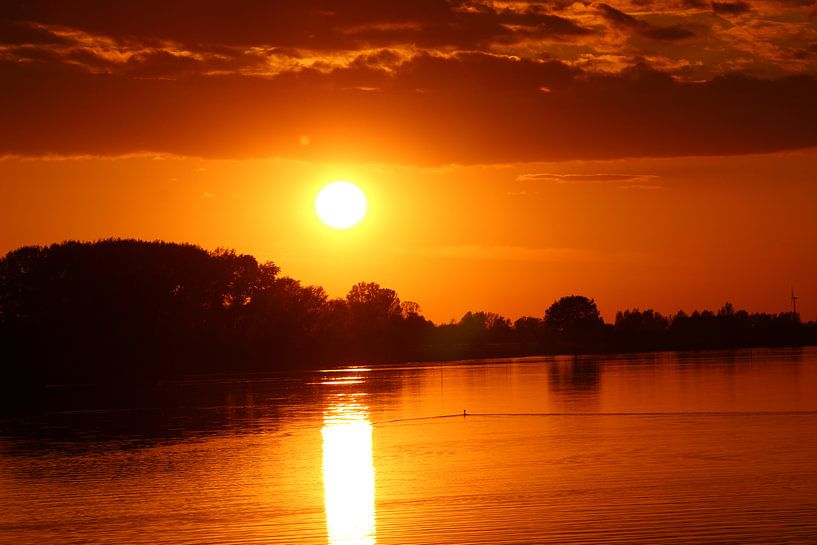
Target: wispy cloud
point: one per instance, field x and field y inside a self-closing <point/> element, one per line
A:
<point x="76" y="157"/>
<point x="521" y="254"/>
<point x="645" y="187"/>
<point x="731" y="8"/>
<point x="630" y="24"/>
<point x="503" y="253"/>
<point x="640" y="179"/>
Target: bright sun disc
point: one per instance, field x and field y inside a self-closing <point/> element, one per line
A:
<point x="341" y="205"/>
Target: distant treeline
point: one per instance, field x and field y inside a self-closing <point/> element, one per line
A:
<point x="119" y="310"/>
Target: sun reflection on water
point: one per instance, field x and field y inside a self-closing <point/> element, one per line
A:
<point x="348" y="472"/>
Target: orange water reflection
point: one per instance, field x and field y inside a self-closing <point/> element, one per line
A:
<point x="348" y="472"/>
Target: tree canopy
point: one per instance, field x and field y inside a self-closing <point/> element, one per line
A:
<point x="130" y="309"/>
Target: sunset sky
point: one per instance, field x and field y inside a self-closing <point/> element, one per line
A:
<point x="647" y="154"/>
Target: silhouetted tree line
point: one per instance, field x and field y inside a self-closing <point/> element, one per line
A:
<point x="119" y="310"/>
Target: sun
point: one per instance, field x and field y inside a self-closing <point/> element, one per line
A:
<point x="341" y="205"/>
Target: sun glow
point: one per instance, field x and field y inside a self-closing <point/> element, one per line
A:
<point x="348" y="473"/>
<point x="341" y="205"/>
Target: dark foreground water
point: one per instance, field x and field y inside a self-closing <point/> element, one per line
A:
<point x="717" y="447"/>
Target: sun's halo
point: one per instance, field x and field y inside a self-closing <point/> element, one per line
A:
<point x="340" y="205"/>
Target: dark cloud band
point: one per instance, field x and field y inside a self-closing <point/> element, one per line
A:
<point x="420" y="81"/>
<point x="459" y="110"/>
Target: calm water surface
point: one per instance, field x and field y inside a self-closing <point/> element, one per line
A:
<point x="717" y="447"/>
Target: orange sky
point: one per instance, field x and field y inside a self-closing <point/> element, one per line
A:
<point x="647" y="154"/>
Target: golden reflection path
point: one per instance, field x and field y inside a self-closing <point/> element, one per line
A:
<point x="348" y="472"/>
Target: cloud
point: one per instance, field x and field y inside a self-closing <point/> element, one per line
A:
<point x="486" y="73"/>
<point x="638" y="27"/>
<point x="522" y="254"/>
<point x="504" y="253"/>
<point x="307" y="24"/>
<point x="426" y="112"/>
<point x="731" y="8"/>
<point x="640" y="187"/>
<point x="23" y="33"/>
<point x="156" y="39"/>
<point x="586" y="178"/>
<point x="423" y="82"/>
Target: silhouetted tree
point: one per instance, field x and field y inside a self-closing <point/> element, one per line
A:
<point x="575" y="322"/>
<point x="635" y="329"/>
<point x="371" y="304"/>
<point x="530" y="334"/>
<point x="413" y="333"/>
<point x="130" y="310"/>
<point x="481" y="328"/>
<point x="373" y="313"/>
